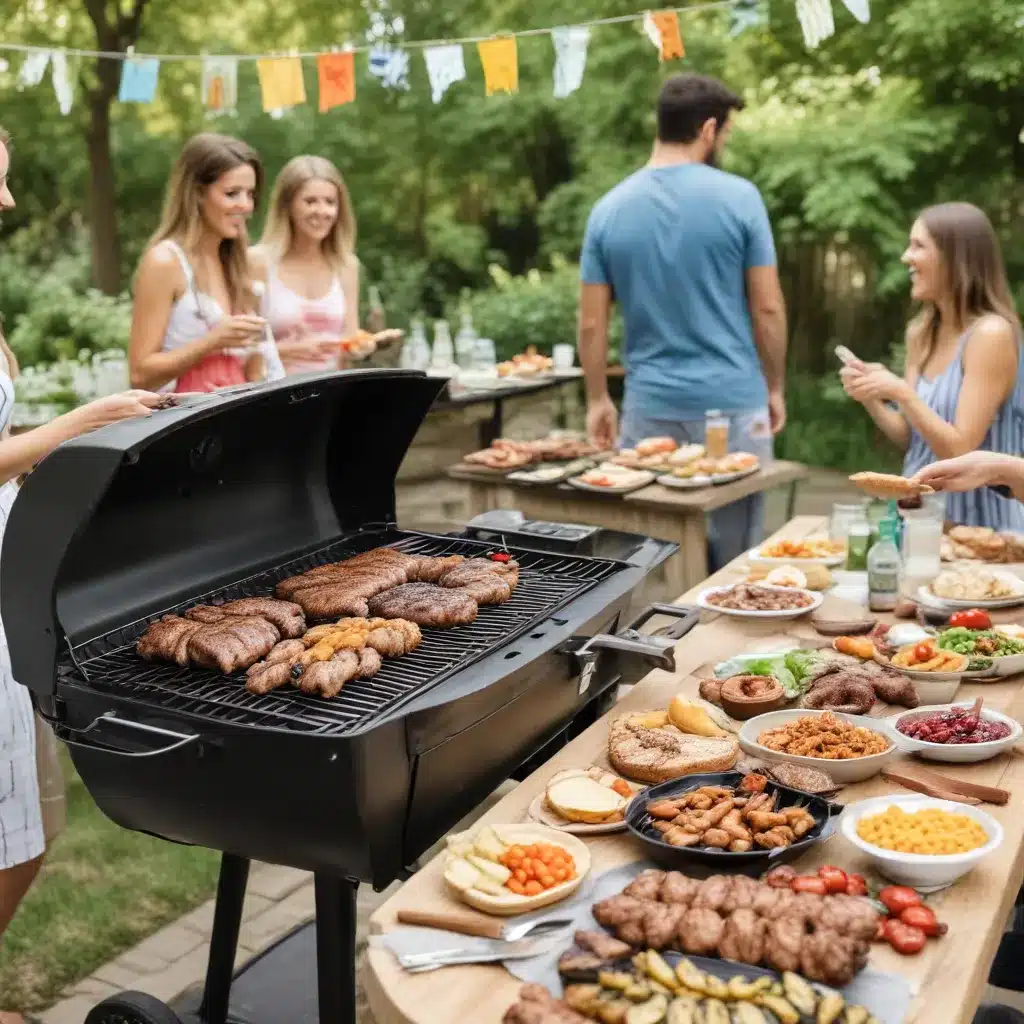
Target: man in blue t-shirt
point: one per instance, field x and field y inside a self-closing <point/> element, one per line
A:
<point x="686" y="252"/>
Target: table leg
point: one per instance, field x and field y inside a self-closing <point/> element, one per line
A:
<point x="490" y="430"/>
<point x="479" y="498"/>
<point x="693" y="550"/>
<point x="791" y="500"/>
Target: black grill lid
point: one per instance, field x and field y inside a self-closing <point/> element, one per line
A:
<point x="143" y="514"/>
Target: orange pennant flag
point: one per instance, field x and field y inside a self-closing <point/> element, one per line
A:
<point x="281" y="82"/>
<point x="667" y="23"/>
<point x="336" y="74"/>
<point x="501" y="64"/>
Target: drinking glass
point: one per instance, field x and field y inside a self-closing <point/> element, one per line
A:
<point x="716" y="434"/>
<point x="563" y="356"/>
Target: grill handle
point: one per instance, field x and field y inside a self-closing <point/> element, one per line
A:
<point x="179" y="739"/>
<point x="688" y="615"/>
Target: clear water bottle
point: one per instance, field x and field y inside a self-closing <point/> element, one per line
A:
<point x="884" y="568"/>
<point x="443" y="354"/>
<point x="465" y="341"/>
<point x="416" y="349"/>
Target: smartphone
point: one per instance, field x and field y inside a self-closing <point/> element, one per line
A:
<point x="845" y="355"/>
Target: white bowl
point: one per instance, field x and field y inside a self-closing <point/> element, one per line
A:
<point x="855" y="769"/>
<point x="935" y="691"/>
<point x="788" y="613"/>
<point x="957" y="753"/>
<point x="918" y="870"/>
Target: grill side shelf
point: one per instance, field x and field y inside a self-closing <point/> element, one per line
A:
<point x="546" y="583"/>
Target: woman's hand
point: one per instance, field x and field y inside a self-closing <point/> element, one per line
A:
<point x="113" y="408"/>
<point x="874" y="383"/>
<point x="236" y="332"/>
<point x="974" y="470"/>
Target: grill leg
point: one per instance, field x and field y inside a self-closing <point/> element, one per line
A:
<point x="336" y="948"/>
<point x="227" y="922"/>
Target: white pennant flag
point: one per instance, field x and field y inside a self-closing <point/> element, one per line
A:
<point x="816" y="21"/>
<point x="391" y="66"/>
<point x="446" y="65"/>
<point x="570" y="58"/>
<point x="63" y="86"/>
<point x="34" y="68"/>
<point x="859" y="9"/>
<point x="653" y="32"/>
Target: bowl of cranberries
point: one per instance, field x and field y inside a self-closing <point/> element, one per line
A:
<point x="955" y="734"/>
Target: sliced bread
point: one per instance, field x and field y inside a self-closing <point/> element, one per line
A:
<point x="657" y="755"/>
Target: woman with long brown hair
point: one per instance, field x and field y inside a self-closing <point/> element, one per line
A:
<point x="22" y="837"/>
<point x="194" y="323"/>
<point x="307" y="254"/>
<point x="963" y="383"/>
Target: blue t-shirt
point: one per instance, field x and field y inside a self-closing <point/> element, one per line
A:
<point x="674" y="244"/>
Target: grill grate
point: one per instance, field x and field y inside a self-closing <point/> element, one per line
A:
<point x="546" y="582"/>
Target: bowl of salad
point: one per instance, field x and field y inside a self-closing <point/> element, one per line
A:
<point x="992" y="651"/>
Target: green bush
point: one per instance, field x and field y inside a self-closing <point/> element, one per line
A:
<point x="537" y="308"/>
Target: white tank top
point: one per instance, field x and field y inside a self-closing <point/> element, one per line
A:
<point x="289" y="313"/>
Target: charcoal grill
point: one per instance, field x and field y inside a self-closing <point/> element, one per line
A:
<point x="223" y="497"/>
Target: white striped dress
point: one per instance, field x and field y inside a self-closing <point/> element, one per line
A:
<point x="982" y="507"/>
<point x="21" y="821"/>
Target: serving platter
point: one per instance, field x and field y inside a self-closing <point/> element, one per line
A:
<point x="636" y="485"/>
<point x="925" y="596"/>
<point x="829" y="561"/>
<point x="785" y="613"/>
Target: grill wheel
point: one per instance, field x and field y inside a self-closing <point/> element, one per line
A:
<point x="132" y="1008"/>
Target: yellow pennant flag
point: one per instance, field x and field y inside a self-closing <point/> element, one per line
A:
<point x="667" y="23"/>
<point x="501" y="64"/>
<point x="281" y="82"/>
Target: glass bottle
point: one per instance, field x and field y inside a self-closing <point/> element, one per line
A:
<point x="465" y="340"/>
<point x="716" y="434"/>
<point x="443" y="354"/>
<point x="416" y="349"/>
<point x="884" y="569"/>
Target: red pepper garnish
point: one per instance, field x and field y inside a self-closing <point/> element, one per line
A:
<point x="500" y="556"/>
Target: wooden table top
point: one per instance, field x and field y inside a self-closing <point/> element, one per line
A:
<point x="704" y="499"/>
<point x="948" y="977"/>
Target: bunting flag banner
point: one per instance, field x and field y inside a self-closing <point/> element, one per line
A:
<point x="34" y="68"/>
<point x="670" y="41"/>
<point x="816" y="21"/>
<point x="652" y="31"/>
<point x="336" y="78"/>
<point x="63" y="81"/>
<point x="281" y="82"/>
<point x="570" y="58"/>
<point x="446" y="65"/>
<point x="138" y="80"/>
<point x="391" y="66"/>
<point x="748" y="14"/>
<point x="220" y="84"/>
<point x="859" y="9"/>
<point x="500" y="59"/>
<point x="3" y="65"/>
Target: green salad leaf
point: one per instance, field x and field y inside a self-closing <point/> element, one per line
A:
<point x="790" y="668"/>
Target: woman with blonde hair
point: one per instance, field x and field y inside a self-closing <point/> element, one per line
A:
<point x="194" y="323"/>
<point x="963" y="384"/>
<point x="307" y="254"/>
<point x="22" y="837"/>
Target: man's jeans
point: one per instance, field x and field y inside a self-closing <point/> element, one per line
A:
<point x="735" y="528"/>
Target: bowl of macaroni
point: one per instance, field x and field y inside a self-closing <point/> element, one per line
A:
<point x="921" y="841"/>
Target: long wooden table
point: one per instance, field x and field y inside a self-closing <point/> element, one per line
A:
<point x="949" y="976"/>
<point x="653" y="511"/>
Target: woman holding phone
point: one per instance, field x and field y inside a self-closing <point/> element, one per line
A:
<point x="194" y="322"/>
<point x="307" y="255"/>
<point x="962" y="387"/>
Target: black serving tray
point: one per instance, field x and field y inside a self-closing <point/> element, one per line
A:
<point x="754" y="862"/>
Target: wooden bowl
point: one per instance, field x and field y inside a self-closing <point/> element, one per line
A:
<point x="738" y="706"/>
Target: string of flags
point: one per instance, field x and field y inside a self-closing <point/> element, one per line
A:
<point x="282" y="82"/>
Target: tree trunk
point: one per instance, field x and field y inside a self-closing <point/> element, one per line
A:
<point x="106" y="242"/>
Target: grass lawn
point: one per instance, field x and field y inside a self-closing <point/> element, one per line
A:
<point x="102" y="889"/>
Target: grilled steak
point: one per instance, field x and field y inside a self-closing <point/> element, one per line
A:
<point x="394" y="638"/>
<point x="232" y="644"/>
<point x="430" y="570"/>
<point x="285" y="615"/>
<point x="487" y="582"/>
<point x="426" y="605"/>
<point x="167" y="640"/>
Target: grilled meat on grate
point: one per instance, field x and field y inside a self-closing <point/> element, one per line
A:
<point x="426" y="605"/>
<point x="394" y="637"/>
<point x="167" y="640"/>
<point x="326" y="678"/>
<point x="486" y="581"/>
<point x="285" y="615"/>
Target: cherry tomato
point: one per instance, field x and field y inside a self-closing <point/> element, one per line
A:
<point x="856" y="885"/>
<point x="971" y="618"/>
<point x="500" y="556"/>
<point x="924" y="918"/>
<point x="924" y="651"/>
<point x="835" y="879"/>
<point x="896" y="898"/>
<point x="809" y="883"/>
<point x="904" y="938"/>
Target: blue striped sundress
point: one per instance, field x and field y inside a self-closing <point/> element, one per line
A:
<point x="982" y="507"/>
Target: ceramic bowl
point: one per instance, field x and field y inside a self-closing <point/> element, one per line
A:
<point x="957" y="753"/>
